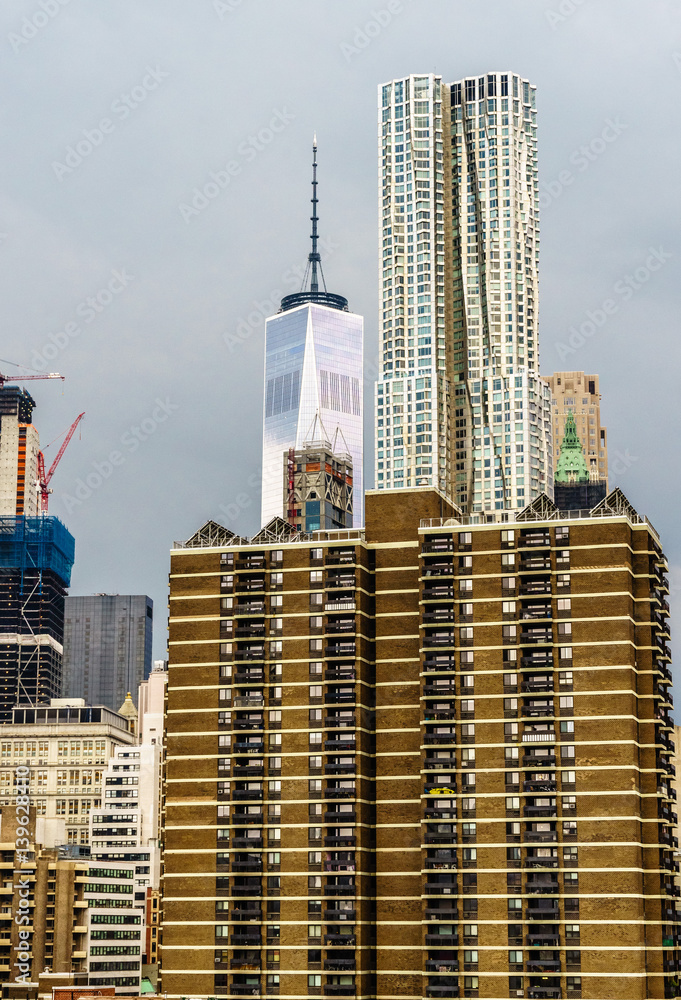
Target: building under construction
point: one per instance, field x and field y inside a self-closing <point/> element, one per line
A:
<point x="36" y="556"/>
<point x="318" y="478"/>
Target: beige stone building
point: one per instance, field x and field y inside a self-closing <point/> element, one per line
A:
<point x="579" y="393"/>
<point x="431" y="758"/>
<point x="67" y="746"/>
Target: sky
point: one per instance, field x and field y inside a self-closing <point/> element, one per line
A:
<point x="154" y="207"/>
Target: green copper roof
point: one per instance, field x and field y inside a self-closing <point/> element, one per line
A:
<point x="571" y="467"/>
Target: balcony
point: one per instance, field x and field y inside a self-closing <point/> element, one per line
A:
<point x="546" y="937"/>
<point x="340" y="939"/>
<point x="540" y="836"/>
<point x="443" y="940"/>
<point x="541" y="637"/>
<point x="338" y="841"/>
<point x="544" y="909"/>
<point x="544" y="992"/>
<point x="247" y="843"/>
<point x="444" y="886"/>
<point x="242" y="990"/>
<point x="538" y="710"/>
<point x="247" y="817"/>
<point x="334" y="990"/>
<point x="431" y="664"/>
<point x="435" y="616"/>
<point x="443" y="989"/>
<point x="447" y="913"/>
<point x="535" y="585"/>
<point x="437" y="640"/>
<point x="534" y="539"/>
<point x="249" y="701"/>
<point x="442" y="965"/>
<point x="543" y="660"/>
<point x="348" y="720"/>
<point x="438" y="568"/>
<point x="438" y="592"/>
<point x="534" y="563"/>
<point x="542" y="884"/>
<point x="536" y="965"/>
<point x="253" y="631"/>
<point x="340" y="793"/>
<point x="342" y="672"/>
<point x="341" y="743"/>
<point x="537" y="683"/>
<point x="252" y="770"/>
<point x="340" y="697"/>
<point x="244" y="675"/>
<point x="337" y="915"/>
<point x="449" y="688"/>
<point x="541" y="783"/>
<point x="249" y="608"/>
<point x="339" y="650"/>
<point x="539" y="760"/>
<point x="339" y="965"/>
<point x="549" y="810"/>
<point x="340" y="768"/>
<point x="244" y="939"/>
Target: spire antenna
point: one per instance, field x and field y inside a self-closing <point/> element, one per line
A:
<point x="314" y="269"/>
<point x="314" y="258"/>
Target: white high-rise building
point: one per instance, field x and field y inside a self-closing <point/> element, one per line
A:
<point x="459" y="402"/>
<point x="313" y="369"/>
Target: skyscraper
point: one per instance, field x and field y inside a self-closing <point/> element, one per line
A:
<point x="19" y="447"/>
<point x="579" y="394"/>
<point x="107" y="646"/>
<point x="459" y="403"/>
<point x="313" y="368"/>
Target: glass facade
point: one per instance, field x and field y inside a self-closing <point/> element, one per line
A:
<point x="313" y="365"/>
<point x="458" y="170"/>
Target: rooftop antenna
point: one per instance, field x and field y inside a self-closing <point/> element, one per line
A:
<point x="314" y="260"/>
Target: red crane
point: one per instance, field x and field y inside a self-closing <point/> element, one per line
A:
<point x="28" y="378"/>
<point x="44" y="480"/>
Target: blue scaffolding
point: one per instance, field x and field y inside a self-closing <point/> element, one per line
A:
<point x="43" y="543"/>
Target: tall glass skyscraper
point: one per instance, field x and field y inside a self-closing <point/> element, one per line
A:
<point x="313" y="366"/>
<point x="459" y="403"/>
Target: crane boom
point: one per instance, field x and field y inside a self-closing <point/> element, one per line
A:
<point x="43" y="478"/>
<point x="28" y="378"/>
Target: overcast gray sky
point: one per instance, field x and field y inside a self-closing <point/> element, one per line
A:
<point x="118" y="117"/>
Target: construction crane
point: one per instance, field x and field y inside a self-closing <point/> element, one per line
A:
<point x="28" y="378"/>
<point x="43" y="479"/>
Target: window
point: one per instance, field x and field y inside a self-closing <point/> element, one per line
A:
<point x="465" y="538"/>
<point x="566" y="701"/>
<point x="314" y="931"/>
<point x="465" y="586"/>
<point x="61" y="807"/>
<point x="315" y="739"/>
<point x="316" y="576"/>
<point x="315" y="763"/>
<point x="316" y="555"/>
<point x="515" y="957"/>
<point x="277" y="601"/>
<point x="508" y="559"/>
<point x="564" y="629"/>
<point x="316" y="622"/>
<point x="508" y="607"/>
<point x="315" y="668"/>
<point x="564" y="604"/>
<point x="508" y="536"/>
<point x="314" y="981"/>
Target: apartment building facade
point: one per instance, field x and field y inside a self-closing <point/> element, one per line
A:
<point x="427" y="759"/>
